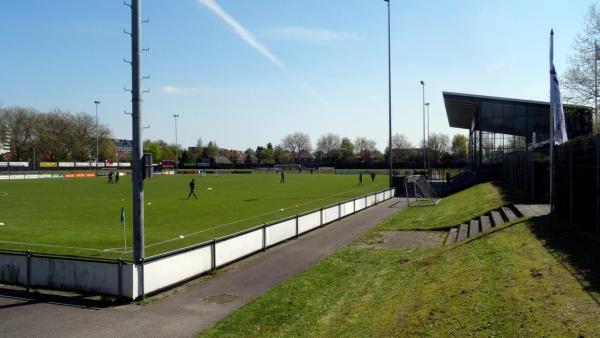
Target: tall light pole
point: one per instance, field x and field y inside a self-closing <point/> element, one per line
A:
<point x="176" y="145"/>
<point x="424" y="140"/>
<point x="427" y="142"/>
<point x="391" y="158"/>
<point x="96" y="103"/>
<point x="136" y="126"/>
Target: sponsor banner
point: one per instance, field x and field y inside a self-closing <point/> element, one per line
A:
<point x="98" y="164"/>
<point x="82" y="164"/>
<point x="4" y="177"/>
<point x="66" y="164"/>
<point x="111" y="164"/>
<point x="17" y="177"/>
<point x="45" y="176"/>
<point x="18" y="164"/>
<point x="48" y="164"/>
<point x="80" y="175"/>
<point x="31" y="177"/>
<point x="3" y="164"/>
<point x="58" y="175"/>
<point x="125" y="164"/>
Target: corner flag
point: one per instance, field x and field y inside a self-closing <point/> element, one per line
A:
<point x="556" y="107"/>
<point x="122" y="216"/>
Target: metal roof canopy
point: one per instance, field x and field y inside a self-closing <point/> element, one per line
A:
<point x="461" y="108"/>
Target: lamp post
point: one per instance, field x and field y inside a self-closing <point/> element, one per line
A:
<point x="427" y="142"/>
<point x="424" y="140"/>
<point x="175" y="116"/>
<point x="96" y="103"/>
<point x="390" y="93"/>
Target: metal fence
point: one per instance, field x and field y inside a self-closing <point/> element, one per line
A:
<point x="577" y="182"/>
<point x="125" y="279"/>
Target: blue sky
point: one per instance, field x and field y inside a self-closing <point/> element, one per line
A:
<point x="315" y="66"/>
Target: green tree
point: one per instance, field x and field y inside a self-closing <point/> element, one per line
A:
<point x="459" y="147"/>
<point x="347" y="149"/>
<point x="280" y="155"/>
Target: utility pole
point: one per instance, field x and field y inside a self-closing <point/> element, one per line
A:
<point x="391" y="152"/>
<point x="175" y="116"/>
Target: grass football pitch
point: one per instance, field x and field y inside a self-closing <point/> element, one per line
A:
<point x="82" y="216"/>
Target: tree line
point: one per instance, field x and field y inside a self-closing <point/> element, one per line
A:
<point x="54" y="136"/>
<point x="329" y="148"/>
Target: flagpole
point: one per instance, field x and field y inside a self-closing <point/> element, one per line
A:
<point x="551" y="139"/>
<point x="595" y="118"/>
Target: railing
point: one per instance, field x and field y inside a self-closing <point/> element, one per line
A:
<point x="124" y="279"/>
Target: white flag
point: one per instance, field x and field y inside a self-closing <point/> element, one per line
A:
<point x="560" y="129"/>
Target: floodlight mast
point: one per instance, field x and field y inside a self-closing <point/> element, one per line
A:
<point x="136" y="109"/>
<point x="390" y="154"/>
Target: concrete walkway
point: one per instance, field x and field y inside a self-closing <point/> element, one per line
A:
<point x="191" y="309"/>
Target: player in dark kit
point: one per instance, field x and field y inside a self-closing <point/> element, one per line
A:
<point x="192" y="189"/>
<point x="360" y="180"/>
<point x="117" y="176"/>
<point x="372" y="177"/>
<point x="110" y="175"/>
<point x="282" y="177"/>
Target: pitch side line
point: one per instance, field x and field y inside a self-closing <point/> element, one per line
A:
<point x="245" y="219"/>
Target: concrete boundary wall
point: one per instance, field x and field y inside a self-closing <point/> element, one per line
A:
<point x="124" y="279"/>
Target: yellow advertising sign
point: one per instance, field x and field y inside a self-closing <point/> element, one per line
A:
<point x="48" y="164"/>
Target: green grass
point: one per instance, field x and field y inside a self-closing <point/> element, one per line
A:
<point x="451" y="210"/>
<point x="506" y="284"/>
<point x="81" y="216"/>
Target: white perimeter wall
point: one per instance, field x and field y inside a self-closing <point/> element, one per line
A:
<point x="103" y="277"/>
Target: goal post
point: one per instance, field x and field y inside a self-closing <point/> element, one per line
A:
<point x="420" y="190"/>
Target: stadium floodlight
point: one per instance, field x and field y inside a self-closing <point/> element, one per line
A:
<point x="391" y="158"/>
<point x="176" y="145"/>
<point x="427" y="142"/>
<point x="97" y="103"/>
<point x="424" y="139"/>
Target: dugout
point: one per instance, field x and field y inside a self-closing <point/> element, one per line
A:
<point x="501" y="126"/>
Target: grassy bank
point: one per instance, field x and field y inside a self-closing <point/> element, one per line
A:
<point x="451" y="210"/>
<point x="514" y="282"/>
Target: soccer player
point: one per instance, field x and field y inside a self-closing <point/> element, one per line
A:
<point x="110" y="175"/>
<point x="360" y="179"/>
<point x="372" y="176"/>
<point x="282" y="177"/>
<point x="117" y="177"/>
<point x="192" y="189"/>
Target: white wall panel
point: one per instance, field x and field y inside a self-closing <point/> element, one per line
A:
<point x="234" y="248"/>
<point x="281" y="231"/>
<point x="309" y="222"/>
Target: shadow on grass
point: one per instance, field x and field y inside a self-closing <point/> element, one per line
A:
<point x="576" y="251"/>
<point x="17" y="297"/>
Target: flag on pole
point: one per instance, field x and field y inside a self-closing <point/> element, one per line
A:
<point x="122" y="216"/>
<point x="556" y="107"/>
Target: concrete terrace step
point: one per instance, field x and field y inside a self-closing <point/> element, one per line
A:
<point x="452" y="234"/>
<point x="497" y="218"/>
<point x="463" y="232"/>
<point x="473" y="227"/>
<point x="485" y="222"/>
<point x="508" y="213"/>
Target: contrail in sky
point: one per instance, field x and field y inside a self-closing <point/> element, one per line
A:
<point x="250" y="39"/>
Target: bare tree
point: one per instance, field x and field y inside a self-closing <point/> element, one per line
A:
<point x="297" y="143"/>
<point x="19" y="125"/>
<point x="399" y="141"/>
<point x="439" y="145"/>
<point x="329" y="145"/>
<point x="364" y="147"/>
<point x="578" y="79"/>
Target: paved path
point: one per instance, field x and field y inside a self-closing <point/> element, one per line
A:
<point x="191" y="309"/>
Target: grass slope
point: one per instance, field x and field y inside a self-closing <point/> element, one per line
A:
<point x="451" y="210"/>
<point x="81" y="216"/>
<point x="484" y="288"/>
